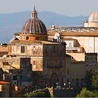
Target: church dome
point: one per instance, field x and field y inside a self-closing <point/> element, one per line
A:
<point x="34" y="25"/>
<point x="93" y="17"/>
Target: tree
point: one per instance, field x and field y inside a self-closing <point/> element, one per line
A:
<point x="95" y="79"/>
<point x="38" y="93"/>
<point x="85" y="93"/>
<point x="35" y="94"/>
<point x="91" y="84"/>
<point x="92" y="80"/>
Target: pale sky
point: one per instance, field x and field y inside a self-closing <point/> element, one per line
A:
<point x="64" y="7"/>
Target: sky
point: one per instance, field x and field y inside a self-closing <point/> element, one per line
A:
<point x="64" y="7"/>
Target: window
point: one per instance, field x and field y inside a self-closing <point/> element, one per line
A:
<point x="67" y="80"/>
<point x="27" y="38"/>
<point x="70" y="44"/>
<point x="33" y="52"/>
<point x="77" y="82"/>
<point x="67" y="71"/>
<point x="72" y="80"/>
<point x="53" y="49"/>
<point x="37" y="38"/>
<point x="94" y="64"/>
<point x="86" y="64"/>
<point x="33" y="62"/>
<point x="87" y="72"/>
<point x="22" y="49"/>
<point x="34" y="49"/>
<point x="77" y="73"/>
<point x="15" y="77"/>
<point x="90" y="58"/>
<point x="82" y="80"/>
<point x="86" y="58"/>
<point x="45" y="38"/>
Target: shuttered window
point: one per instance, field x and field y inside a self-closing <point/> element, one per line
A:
<point x="22" y="49"/>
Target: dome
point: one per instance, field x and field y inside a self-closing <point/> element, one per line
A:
<point x="34" y="25"/>
<point x="93" y="17"/>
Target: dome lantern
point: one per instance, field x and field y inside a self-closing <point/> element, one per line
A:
<point x="34" y="13"/>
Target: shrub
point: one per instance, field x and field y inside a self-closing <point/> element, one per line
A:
<point x="38" y="93"/>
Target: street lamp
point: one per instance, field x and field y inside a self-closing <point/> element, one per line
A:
<point x="56" y="85"/>
<point x="69" y="84"/>
<point x="16" y="88"/>
<point x="64" y="85"/>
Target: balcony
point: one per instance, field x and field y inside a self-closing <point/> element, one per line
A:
<point x="72" y="48"/>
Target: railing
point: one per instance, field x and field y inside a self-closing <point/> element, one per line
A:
<point x="72" y="48"/>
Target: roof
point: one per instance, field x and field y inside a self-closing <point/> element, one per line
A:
<point x="77" y="56"/>
<point x="26" y="42"/>
<point x="76" y="33"/>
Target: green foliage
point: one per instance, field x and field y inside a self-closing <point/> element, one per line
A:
<point x="92" y="80"/>
<point x="91" y="84"/>
<point x="38" y="93"/>
<point x="85" y="93"/>
<point x="96" y="93"/>
<point x="95" y="79"/>
<point x="35" y="94"/>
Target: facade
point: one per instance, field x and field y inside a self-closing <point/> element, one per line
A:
<point x="78" y="39"/>
<point x="78" y="65"/>
<point x="81" y="46"/>
<point x="31" y="57"/>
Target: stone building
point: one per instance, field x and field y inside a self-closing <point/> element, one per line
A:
<point x="78" y="39"/>
<point x="82" y="48"/>
<point x="31" y="57"/>
<point x="35" y="56"/>
<point x="78" y="65"/>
